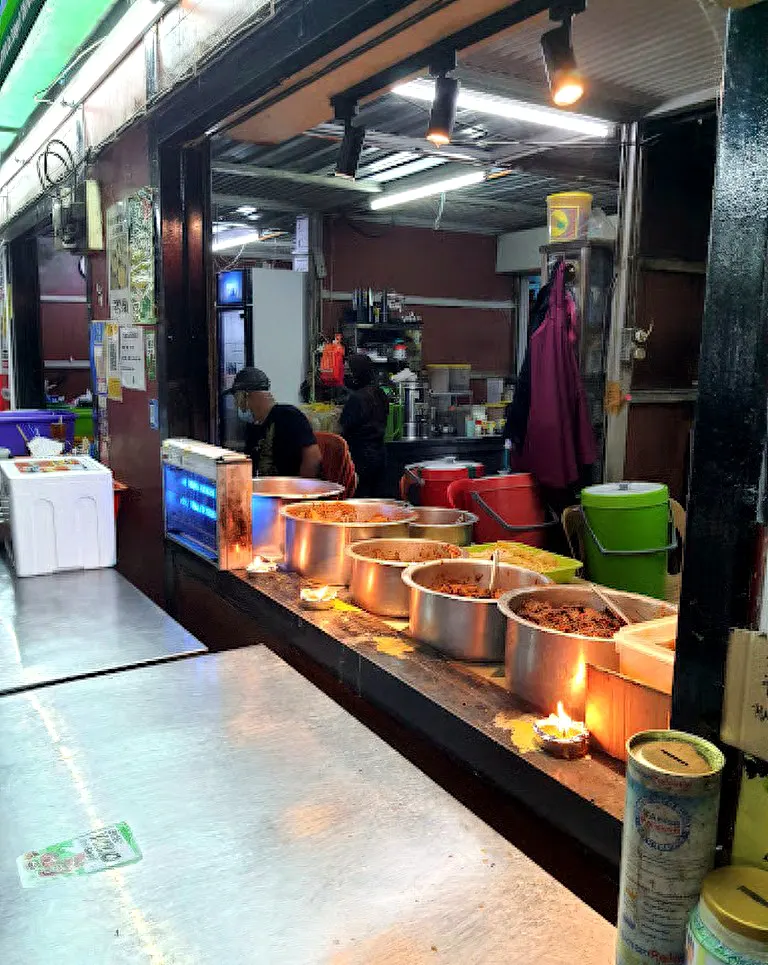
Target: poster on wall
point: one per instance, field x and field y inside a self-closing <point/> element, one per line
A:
<point x="142" y="257"/>
<point x="98" y="358"/>
<point x="112" y="351"/>
<point x="103" y="420"/>
<point x="132" y="371"/>
<point x="118" y="262"/>
<point x="150" y="348"/>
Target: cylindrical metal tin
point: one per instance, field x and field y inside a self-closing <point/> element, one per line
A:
<point x="730" y="924"/>
<point x="668" y="845"/>
<point x="270" y="494"/>
<point x="447" y="525"/>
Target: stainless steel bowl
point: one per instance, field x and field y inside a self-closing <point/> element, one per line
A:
<point x="546" y="666"/>
<point x="270" y="494"/>
<point x="464" y="628"/>
<point x="376" y="581"/>
<point x="449" y="525"/>
<point x="318" y="549"/>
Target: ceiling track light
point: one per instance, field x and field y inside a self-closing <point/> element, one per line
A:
<point x="443" y="115"/>
<point x="352" y="140"/>
<point x="566" y="83"/>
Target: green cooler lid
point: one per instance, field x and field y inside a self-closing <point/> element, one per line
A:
<point x="625" y="495"/>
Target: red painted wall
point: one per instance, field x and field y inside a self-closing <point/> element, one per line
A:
<point x="135" y="447"/>
<point x="437" y="264"/>
<point x="63" y="325"/>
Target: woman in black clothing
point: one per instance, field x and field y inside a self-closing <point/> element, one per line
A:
<point x="364" y="424"/>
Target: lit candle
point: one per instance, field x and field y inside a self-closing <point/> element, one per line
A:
<point x="318" y="598"/>
<point x="562" y="737"/>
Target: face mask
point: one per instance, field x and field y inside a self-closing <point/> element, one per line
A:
<point x="245" y="415"/>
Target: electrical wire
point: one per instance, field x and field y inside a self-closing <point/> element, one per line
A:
<point x="69" y="67"/>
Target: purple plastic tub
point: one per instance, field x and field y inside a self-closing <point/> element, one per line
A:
<point x="31" y="422"/>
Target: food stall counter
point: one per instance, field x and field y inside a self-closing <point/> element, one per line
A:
<point x="463" y="711"/>
<point x="269" y="825"/>
<point x="76" y="624"/>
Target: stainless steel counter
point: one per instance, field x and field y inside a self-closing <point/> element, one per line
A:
<point x="275" y="829"/>
<point x="72" y="624"/>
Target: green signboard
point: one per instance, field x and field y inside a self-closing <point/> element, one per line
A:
<point x="16" y="19"/>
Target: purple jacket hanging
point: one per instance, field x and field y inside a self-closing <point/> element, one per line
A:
<point x="559" y="440"/>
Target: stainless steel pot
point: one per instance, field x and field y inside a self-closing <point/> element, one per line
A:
<point x="376" y="582"/>
<point x="318" y="549"/>
<point x="464" y="628"/>
<point x="270" y="494"/>
<point x="448" y="525"/>
<point x="545" y="666"/>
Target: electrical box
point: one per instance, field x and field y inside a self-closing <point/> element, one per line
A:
<point x="77" y="219"/>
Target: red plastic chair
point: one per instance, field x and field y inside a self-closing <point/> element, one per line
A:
<point x="338" y="466"/>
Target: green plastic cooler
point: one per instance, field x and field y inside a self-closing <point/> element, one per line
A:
<point x="627" y="535"/>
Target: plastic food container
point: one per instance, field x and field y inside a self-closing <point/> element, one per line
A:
<point x="560" y="569"/>
<point x="31" y="422"/>
<point x="568" y="215"/>
<point x="627" y="535"/>
<point x="730" y="924"/>
<point x="647" y="652"/>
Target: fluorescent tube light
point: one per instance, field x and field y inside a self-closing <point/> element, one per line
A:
<point x="119" y="41"/>
<point x="427" y="190"/>
<point x="390" y="161"/>
<point x="246" y="209"/>
<point x="404" y="170"/>
<point x="224" y="244"/>
<point x="482" y="103"/>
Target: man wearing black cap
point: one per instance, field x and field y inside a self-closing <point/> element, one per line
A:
<point x="278" y="438"/>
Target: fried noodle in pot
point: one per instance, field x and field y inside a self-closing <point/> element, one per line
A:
<point x="468" y="591"/>
<point x="585" y="621"/>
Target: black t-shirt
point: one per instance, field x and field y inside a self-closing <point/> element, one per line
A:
<point x="276" y="446"/>
<point x="364" y="424"/>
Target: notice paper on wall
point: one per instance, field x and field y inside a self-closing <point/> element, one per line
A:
<point x="119" y="262"/>
<point x="112" y="349"/>
<point x="132" y="366"/>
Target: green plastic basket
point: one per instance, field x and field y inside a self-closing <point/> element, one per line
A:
<point x="564" y="569"/>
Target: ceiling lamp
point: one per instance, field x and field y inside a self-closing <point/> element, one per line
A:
<point x="350" y="151"/>
<point x="391" y="199"/>
<point x="480" y="102"/>
<point x="566" y="84"/>
<point x="443" y="115"/>
<point x="352" y="140"/>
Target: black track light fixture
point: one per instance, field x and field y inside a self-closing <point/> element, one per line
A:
<point x="352" y="140"/>
<point x="443" y="114"/>
<point x="566" y="83"/>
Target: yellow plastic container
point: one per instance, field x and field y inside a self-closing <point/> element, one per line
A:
<point x="568" y="215"/>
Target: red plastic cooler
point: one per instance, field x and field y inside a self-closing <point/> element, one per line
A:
<point x="434" y="478"/>
<point x="508" y="508"/>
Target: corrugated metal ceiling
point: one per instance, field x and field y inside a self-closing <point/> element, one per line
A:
<point x="636" y="54"/>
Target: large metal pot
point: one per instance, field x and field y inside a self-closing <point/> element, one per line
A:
<point x="448" y="525"/>
<point x="463" y="628"/>
<point x="318" y="549"/>
<point x="270" y="494"/>
<point x="546" y="666"/>
<point x="378" y="565"/>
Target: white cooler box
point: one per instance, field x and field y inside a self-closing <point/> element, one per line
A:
<point x="59" y="514"/>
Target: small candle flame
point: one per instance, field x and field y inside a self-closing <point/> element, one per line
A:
<point x="561" y="721"/>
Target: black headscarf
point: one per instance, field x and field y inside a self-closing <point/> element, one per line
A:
<point x="360" y="371"/>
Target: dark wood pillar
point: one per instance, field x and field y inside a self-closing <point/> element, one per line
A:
<point x="186" y="343"/>
<point x="27" y="343"/>
<point x="730" y="427"/>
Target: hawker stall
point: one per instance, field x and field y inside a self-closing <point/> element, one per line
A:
<point x="501" y="653"/>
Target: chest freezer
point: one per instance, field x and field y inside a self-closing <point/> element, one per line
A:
<point x="58" y="513"/>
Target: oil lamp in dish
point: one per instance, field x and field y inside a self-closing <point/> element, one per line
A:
<point x="562" y="737"/>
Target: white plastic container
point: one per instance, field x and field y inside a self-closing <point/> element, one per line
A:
<point x="647" y="654"/>
<point x="60" y="512"/>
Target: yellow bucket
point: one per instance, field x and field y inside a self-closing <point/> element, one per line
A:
<point x="568" y="215"/>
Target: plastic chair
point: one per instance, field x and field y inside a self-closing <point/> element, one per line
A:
<point x="338" y="466"/>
